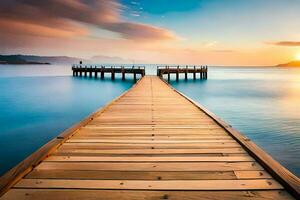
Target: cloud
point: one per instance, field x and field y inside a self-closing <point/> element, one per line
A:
<point x="286" y="43"/>
<point x="67" y="18"/>
<point x="223" y="51"/>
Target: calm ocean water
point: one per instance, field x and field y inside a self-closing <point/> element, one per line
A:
<point x="38" y="102"/>
<point x="262" y="103"/>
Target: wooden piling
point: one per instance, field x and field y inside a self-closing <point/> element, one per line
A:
<point x="96" y="72"/>
<point x="91" y="72"/>
<point x="177" y="74"/>
<point x="123" y="73"/>
<point x="194" y="73"/>
<point x="102" y="72"/>
<point x="168" y="74"/>
<point x="201" y="72"/>
<point x="186" y="73"/>
<point x="112" y="73"/>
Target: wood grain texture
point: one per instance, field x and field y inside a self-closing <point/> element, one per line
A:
<point x="259" y="184"/>
<point x="63" y="194"/>
<point x="152" y="143"/>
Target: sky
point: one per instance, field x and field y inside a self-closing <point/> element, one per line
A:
<point x="208" y="32"/>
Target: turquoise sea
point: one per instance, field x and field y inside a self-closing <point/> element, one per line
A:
<point x="37" y="102"/>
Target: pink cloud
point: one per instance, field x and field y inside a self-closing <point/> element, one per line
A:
<point x="68" y="17"/>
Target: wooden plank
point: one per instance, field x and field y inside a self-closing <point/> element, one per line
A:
<point x="251" y="174"/>
<point x="150" y="139"/>
<point x="72" y="194"/>
<point x="259" y="184"/>
<point x="214" y="145"/>
<point x="147" y="141"/>
<point x="157" y="151"/>
<point x="155" y="166"/>
<point x="148" y="159"/>
<point x="133" y="175"/>
<point x="284" y="176"/>
<point x="23" y="168"/>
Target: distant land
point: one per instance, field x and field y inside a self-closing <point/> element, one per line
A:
<point x="17" y="59"/>
<point x="33" y="59"/>
<point x="295" y="63"/>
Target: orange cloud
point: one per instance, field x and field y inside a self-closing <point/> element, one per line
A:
<point x="286" y="43"/>
<point x="59" y="16"/>
<point x="24" y="28"/>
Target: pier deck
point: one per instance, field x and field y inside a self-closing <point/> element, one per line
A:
<point x="93" y="71"/>
<point x="167" y="70"/>
<point x="150" y="143"/>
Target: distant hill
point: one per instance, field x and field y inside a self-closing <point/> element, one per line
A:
<point x="32" y="59"/>
<point x="295" y="63"/>
<point x="17" y="59"/>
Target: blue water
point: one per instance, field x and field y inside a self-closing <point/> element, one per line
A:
<point x="39" y="102"/>
<point x="262" y="103"/>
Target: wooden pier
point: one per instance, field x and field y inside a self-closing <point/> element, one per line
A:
<point x="202" y="71"/>
<point x="151" y="143"/>
<point x="94" y="71"/>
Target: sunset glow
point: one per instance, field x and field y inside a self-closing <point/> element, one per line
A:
<point x="297" y="56"/>
<point x="212" y="32"/>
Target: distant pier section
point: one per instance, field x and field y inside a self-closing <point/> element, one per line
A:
<point x="100" y="71"/>
<point x="177" y="70"/>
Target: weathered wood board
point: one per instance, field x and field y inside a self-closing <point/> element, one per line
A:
<point x="152" y="143"/>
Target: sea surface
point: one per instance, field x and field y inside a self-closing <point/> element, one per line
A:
<point x="37" y="102"/>
<point x="262" y="102"/>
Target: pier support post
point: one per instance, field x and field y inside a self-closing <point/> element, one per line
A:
<point x="123" y="73"/>
<point x="80" y="71"/>
<point x="96" y="72"/>
<point x="134" y="76"/>
<point x="202" y="73"/>
<point x="194" y="73"/>
<point x="91" y="72"/>
<point x="102" y="72"/>
<point x="177" y="74"/>
<point x="168" y="71"/>
<point x="112" y="73"/>
<point x="85" y="71"/>
<point x="186" y="73"/>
